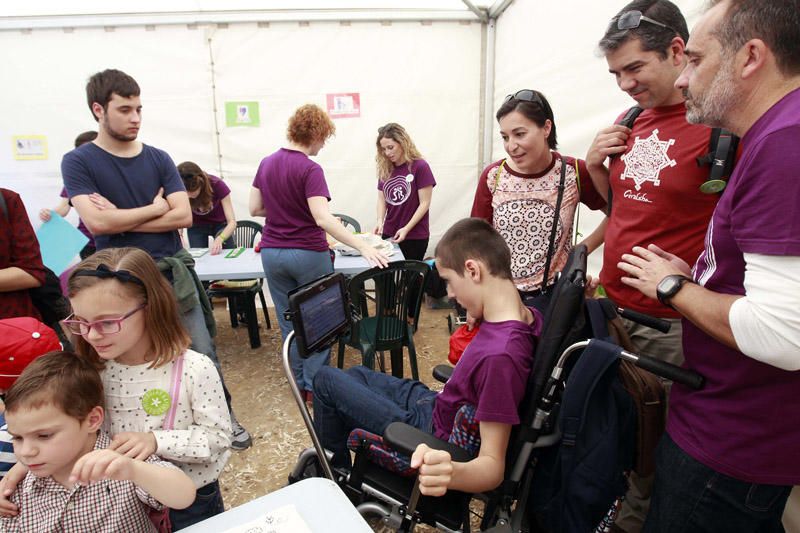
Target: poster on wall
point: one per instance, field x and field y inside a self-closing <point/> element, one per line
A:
<point x="242" y="114"/>
<point x="29" y="147"/>
<point x="344" y="105"/>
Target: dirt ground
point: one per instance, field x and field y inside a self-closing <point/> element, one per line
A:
<point x="264" y="405"/>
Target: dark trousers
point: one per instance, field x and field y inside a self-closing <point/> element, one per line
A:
<point x="362" y="398"/>
<point x="693" y="498"/>
<point x="412" y="248"/>
<point x="207" y="503"/>
<point x="200" y="233"/>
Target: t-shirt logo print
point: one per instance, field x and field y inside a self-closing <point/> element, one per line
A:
<point x="645" y="161"/>
<point x="397" y="190"/>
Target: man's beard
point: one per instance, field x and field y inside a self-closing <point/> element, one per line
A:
<point x="117" y="135"/>
<point x="712" y="107"/>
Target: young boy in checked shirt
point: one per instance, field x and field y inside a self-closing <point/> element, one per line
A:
<point x="54" y="413"/>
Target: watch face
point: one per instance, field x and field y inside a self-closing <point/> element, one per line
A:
<point x="669" y="286"/>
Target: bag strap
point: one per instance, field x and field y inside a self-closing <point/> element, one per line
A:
<point x="497" y="175"/>
<point x="577" y="230"/>
<point x="554" y="231"/>
<point x="174" y="393"/>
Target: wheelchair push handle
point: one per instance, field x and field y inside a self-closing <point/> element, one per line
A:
<point x="672" y="372"/>
<point x="646" y="320"/>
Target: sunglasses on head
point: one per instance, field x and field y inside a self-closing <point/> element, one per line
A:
<point x="630" y="20"/>
<point x="525" y="95"/>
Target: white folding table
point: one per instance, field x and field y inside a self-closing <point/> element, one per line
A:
<point x="321" y="504"/>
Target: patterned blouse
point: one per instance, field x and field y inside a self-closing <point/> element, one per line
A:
<point x="200" y="439"/>
<point x="107" y="506"/>
<point x="521" y="207"/>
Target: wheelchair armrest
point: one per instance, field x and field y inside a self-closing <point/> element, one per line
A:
<point x="442" y="373"/>
<point x="405" y="439"/>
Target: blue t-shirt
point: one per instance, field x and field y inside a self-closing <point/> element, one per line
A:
<point x="7" y="458"/>
<point x="127" y="182"/>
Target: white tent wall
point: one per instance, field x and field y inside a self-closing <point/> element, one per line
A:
<point x="424" y="76"/>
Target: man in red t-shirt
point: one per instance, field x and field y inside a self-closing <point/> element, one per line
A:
<point x="653" y="177"/>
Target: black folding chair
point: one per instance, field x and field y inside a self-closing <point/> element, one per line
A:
<point x="241" y="294"/>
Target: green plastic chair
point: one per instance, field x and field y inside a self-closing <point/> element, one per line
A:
<point x="349" y="222"/>
<point x="385" y="317"/>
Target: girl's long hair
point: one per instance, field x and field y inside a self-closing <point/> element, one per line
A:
<point x="194" y="178"/>
<point x="398" y="134"/>
<point x="163" y="325"/>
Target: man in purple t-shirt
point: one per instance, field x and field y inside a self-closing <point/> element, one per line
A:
<point x="729" y="458"/>
<point x="491" y="374"/>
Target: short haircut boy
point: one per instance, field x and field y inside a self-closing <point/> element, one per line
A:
<point x="103" y="85"/>
<point x="474" y="238"/>
<point x="61" y="379"/>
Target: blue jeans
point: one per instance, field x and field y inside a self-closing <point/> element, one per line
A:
<point x="195" y="324"/>
<point x="200" y="233"/>
<point x="691" y="497"/>
<point x="362" y="398"/>
<point x="287" y="269"/>
<point x="207" y="503"/>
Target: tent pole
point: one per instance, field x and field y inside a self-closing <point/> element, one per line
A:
<point x="488" y="94"/>
<point x="214" y="108"/>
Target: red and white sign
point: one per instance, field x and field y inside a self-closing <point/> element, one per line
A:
<point x="344" y="105"/>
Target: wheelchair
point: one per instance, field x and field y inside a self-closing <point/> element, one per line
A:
<point x="395" y="500"/>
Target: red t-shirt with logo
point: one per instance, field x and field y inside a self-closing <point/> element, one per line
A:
<point x="657" y="199"/>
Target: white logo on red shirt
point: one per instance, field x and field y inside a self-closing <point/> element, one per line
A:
<point x="645" y="161"/>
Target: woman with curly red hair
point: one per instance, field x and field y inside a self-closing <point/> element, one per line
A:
<point x="290" y="191"/>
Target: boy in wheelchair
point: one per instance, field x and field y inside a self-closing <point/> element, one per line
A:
<point x="491" y="375"/>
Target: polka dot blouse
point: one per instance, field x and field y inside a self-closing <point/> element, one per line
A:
<point x="200" y="439"/>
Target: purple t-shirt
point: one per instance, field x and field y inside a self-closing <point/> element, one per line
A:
<point x="401" y="193"/>
<point x="491" y="375"/>
<point x="81" y="226"/>
<point x="287" y="179"/>
<point x="745" y="422"/>
<point x="216" y="215"/>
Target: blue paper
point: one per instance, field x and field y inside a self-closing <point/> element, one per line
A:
<point x="59" y="242"/>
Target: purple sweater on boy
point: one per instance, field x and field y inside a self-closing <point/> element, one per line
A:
<point x="745" y="422"/>
<point x="287" y="179"/>
<point x="401" y="193"/>
<point x="216" y="215"/>
<point x="491" y="375"/>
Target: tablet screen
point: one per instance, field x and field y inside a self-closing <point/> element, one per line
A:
<point x="319" y="313"/>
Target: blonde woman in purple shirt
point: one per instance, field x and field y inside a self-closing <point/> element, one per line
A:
<point x="212" y="209"/>
<point x="290" y="191"/>
<point x="405" y="187"/>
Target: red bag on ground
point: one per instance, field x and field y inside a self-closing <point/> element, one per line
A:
<point x="459" y="341"/>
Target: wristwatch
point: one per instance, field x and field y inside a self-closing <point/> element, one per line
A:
<point x="669" y="287"/>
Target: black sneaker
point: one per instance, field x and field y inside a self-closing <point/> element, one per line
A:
<point x="241" y="439"/>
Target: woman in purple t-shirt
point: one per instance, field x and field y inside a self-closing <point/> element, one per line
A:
<point x="212" y="209"/>
<point x="405" y="187"/>
<point x="291" y="192"/>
